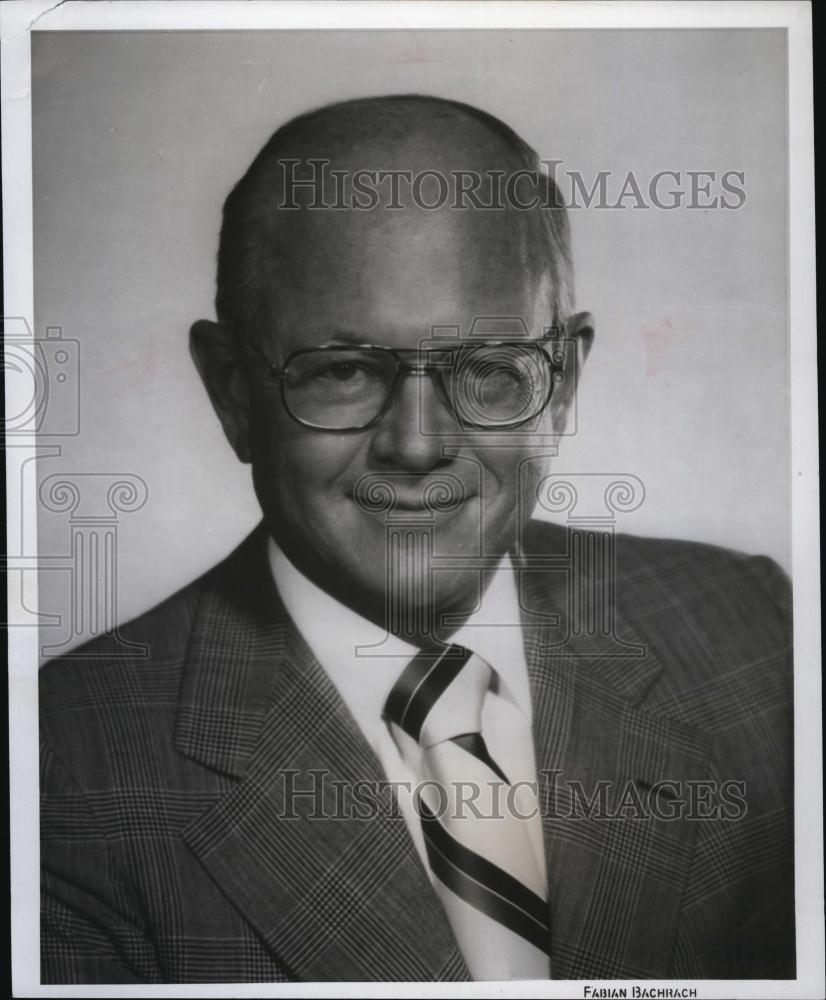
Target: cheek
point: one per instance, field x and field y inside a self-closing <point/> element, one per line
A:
<point x="511" y="476"/>
<point x="502" y="469"/>
<point x="299" y="471"/>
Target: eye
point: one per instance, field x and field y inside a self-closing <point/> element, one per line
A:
<point x="501" y="369"/>
<point x="343" y="371"/>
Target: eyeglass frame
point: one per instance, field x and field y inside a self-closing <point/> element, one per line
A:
<point x="404" y="367"/>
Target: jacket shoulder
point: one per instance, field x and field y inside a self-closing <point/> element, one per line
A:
<point x="146" y="645"/>
<point x="734" y="598"/>
<point x="140" y="664"/>
<point x="687" y="571"/>
<point x="704" y="611"/>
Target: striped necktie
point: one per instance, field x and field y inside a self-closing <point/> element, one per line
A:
<point x="486" y="873"/>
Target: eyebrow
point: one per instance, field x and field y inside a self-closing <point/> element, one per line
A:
<point x="344" y="337"/>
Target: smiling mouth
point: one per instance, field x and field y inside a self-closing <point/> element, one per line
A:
<point x="435" y="496"/>
<point x="443" y="505"/>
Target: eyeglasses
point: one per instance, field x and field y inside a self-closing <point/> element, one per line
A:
<point x="493" y="385"/>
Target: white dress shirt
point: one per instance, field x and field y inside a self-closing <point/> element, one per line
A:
<point x="363" y="662"/>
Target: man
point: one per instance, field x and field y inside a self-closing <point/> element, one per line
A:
<point x="371" y="744"/>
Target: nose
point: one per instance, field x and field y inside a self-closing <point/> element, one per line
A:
<point x="409" y="436"/>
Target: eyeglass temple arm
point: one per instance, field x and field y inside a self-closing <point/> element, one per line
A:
<point x="275" y="371"/>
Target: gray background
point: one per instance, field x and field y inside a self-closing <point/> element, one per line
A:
<point x="138" y="137"/>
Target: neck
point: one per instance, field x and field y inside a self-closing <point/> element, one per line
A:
<point x="414" y="607"/>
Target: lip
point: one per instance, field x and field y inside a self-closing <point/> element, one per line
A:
<point x="450" y="504"/>
<point x="413" y="503"/>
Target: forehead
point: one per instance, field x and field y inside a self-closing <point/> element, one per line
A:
<point x="407" y="266"/>
<point x="398" y="275"/>
<point x="411" y="249"/>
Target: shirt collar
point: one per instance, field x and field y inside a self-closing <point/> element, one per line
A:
<point x="364" y="661"/>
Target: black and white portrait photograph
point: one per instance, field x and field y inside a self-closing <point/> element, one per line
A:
<point x="411" y="447"/>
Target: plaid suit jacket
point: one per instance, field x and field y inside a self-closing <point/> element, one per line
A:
<point x="173" y="851"/>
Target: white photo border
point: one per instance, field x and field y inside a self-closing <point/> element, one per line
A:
<point x="17" y="21"/>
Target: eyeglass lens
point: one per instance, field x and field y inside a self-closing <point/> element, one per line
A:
<point x="488" y="385"/>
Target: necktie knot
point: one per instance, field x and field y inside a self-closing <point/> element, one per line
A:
<point x="440" y="696"/>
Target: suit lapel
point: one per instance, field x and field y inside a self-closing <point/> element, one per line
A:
<point x="615" y="879"/>
<point x="338" y="898"/>
<point x="347" y="898"/>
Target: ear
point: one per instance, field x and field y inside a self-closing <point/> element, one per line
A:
<point x="215" y="351"/>
<point x="579" y="336"/>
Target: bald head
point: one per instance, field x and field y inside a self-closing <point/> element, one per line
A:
<point x="391" y="183"/>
